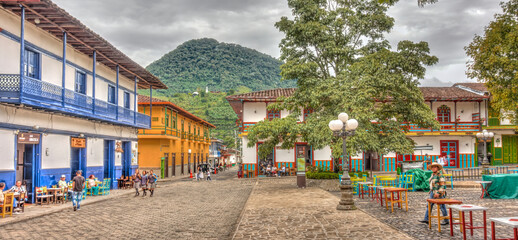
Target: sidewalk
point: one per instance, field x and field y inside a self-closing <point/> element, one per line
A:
<point x="34" y="211"/>
<point x="279" y="210"/>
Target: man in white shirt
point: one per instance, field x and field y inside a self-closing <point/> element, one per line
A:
<point x="441" y="160"/>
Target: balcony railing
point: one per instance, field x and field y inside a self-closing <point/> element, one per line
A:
<point x="46" y="95"/>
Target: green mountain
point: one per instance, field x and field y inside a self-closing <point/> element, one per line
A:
<point x="205" y="62"/>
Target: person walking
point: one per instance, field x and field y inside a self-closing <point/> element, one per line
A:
<point x="144" y="182"/>
<point x="78" y="184"/>
<point x="152" y="182"/>
<point x="437" y="184"/>
<point x="136" y="181"/>
<point x="199" y="174"/>
<point x="208" y="176"/>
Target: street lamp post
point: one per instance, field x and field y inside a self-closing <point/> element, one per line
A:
<point x="485" y="136"/>
<point x="344" y="127"/>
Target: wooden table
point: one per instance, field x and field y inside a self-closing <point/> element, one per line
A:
<point x="463" y="225"/>
<point x="397" y="200"/>
<point x="509" y="221"/>
<point x="53" y="192"/>
<point x="361" y="186"/>
<point x="439" y="202"/>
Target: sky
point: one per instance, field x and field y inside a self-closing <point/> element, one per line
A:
<point x="146" y="30"/>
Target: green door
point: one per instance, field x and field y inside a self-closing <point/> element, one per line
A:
<point x="510" y="149"/>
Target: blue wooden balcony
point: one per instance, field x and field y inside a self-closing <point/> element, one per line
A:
<point x="44" y="95"/>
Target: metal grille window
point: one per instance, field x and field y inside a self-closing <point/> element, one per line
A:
<point x="32" y="64"/>
<point x="306" y="113"/>
<point x="273" y="114"/>
<point x="80" y="85"/>
<point x="443" y="114"/>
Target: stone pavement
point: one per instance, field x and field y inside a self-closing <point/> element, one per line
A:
<point x="182" y="209"/>
<point x="407" y="222"/>
<point x="278" y="210"/>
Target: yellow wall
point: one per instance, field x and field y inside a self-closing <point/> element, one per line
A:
<point x="154" y="143"/>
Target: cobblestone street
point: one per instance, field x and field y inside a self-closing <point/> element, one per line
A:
<point x="408" y="222"/>
<point x="182" y="209"/>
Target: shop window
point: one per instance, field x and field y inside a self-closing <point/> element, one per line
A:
<point x="80" y="85"/>
<point x="443" y="114"/>
<point x="126" y="100"/>
<point x="111" y="94"/>
<point x="274" y="114"/>
<point x="32" y="64"/>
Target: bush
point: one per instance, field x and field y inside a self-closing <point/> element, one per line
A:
<point x="321" y="175"/>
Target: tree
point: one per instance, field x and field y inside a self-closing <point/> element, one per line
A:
<point x="495" y="59"/>
<point x="337" y="52"/>
<point x="421" y="3"/>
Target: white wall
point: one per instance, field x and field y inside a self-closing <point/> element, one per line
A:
<point x="55" y="151"/>
<point x="435" y="142"/>
<point x="7" y="149"/>
<point x="9" y="55"/>
<point x="284" y="155"/>
<point x="322" y="154"/>
<point x="249" y="154"/>
<point x="134" y="153"/>
<point x="254" y="111"/>
<point x="95" y="152"/>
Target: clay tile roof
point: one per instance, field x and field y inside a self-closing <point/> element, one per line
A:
<point x="271" y="94"/>
<point x="481" y="87"/>
<point x="144" y="100"/>
<point x="449" y="93"/>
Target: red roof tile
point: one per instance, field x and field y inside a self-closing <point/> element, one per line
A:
<point x="271" y="94"/>
<point x="144" y="100"/>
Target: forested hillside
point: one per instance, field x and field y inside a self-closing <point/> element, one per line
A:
<point x="201" y="63"/>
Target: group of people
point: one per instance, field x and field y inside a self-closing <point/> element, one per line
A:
<point x="145" y="181"/>
<point x="271" y="170"/>
<point x="19" y="188"/>
<point x="199" y="174"/>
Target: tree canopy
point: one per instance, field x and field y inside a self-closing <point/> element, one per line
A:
<point x="219" y="66"/>
<point x="337" y="52"/>
<point x="495" y="59"/>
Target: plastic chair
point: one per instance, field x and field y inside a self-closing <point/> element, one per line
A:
<point x="451" y="179"/>
<point x="107" y="186"/>
<point x="408" y="181"/>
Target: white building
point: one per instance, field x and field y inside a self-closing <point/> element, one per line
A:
<point x="67" y="98"/>
<point x="460" y="109"/>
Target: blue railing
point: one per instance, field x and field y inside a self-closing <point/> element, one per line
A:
<point x="46" y="95"/>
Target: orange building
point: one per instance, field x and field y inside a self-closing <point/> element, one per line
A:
<point x="176" y="143"/>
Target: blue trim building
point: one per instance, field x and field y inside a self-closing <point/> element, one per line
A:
<point x="67" y="99"/>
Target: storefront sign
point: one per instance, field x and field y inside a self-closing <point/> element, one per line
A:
<point x="78" y="142"/>
<point x="301" y="165"/>
<point x="29" y="138"/>
<point x="118" y="146"/>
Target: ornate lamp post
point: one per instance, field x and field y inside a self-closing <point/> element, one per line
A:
<point x="344" y="127"/>
<point x="485" y="136"/>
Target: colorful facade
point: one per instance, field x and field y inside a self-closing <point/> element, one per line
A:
<point x="461" y="111"/>
<point x="176" y="143"/>
<point x="67" y="98"/>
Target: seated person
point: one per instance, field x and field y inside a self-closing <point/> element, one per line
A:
<point x="283" y="170"/>
<point x="274" y="171"/>
<point x="17" y="188"/>
<point x="268" y="170"/>
<point x="2" y="186"/>
<point x="62" y="182"/>
<point x="91" y="181"/>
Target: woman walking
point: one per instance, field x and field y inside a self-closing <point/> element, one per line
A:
<point x="136" y="181"/>
<point x="152" y="182"/>
<point x="143" y="182"/>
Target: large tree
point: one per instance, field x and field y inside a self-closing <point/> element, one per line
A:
<point x="495" y="59"/>
<point x="337" y="52"/>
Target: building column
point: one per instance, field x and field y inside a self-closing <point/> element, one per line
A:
<point x="22" y="49"/>
<point x="455" y="104"/>
<point x="94" y="62"/>
<point x="117" y="94"/>
<point x="135" y="104"/>
<point x="150" y="104"/>
<point x="64" y="62"/>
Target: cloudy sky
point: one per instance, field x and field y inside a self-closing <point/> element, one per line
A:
<point x="146" y="30"/>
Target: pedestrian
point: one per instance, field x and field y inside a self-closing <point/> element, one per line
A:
<point x="198" y="174"/>
<point x="144" y="182"/>
<point x="208" y="176"/>
<point x="427" y="161"/>
<point x="437" y="184"/>
<point x="441" y="160"/>
<point x="78" y="184"/>
<point x="152" y="182"/>
<point x="136" y="181"/>
<point x="201" y="175"/>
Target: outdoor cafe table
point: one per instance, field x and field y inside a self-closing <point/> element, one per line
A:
<point x="509" y="221"/>
<point x="399" y="200"/>
<point x="53" y="192"/>
<point x="361" y="186"/>
<point x="465" y="226"/>
<point x="439" y="202"/>
<point x="503" y="186"/>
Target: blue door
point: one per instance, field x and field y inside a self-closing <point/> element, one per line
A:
<point x="109" y="159"/>
<point x="126" y="159"/>
<point x="78" y="161"/>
